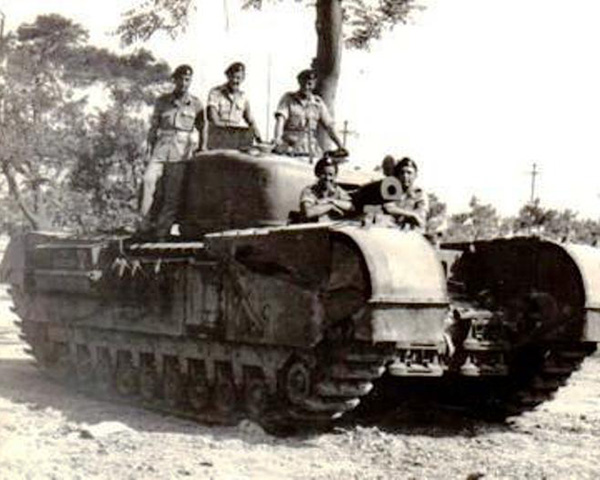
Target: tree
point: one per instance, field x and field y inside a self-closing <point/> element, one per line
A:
<point x="365" y="20"/>
<point x="559" y="225"/>
<point x="436" y="216"/>
<point x="481" y="222"/>
<point x="46" y="127"/>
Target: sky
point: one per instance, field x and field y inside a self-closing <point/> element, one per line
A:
<point x="475" y="91"/>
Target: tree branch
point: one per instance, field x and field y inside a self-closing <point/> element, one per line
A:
<point x="13" y="188"/>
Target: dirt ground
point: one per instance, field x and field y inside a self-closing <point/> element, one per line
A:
<point x="49" y="432"/>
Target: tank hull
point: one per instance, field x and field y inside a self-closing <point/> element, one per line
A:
<point x="247" y="315"/>
<point x="296" y="325"/>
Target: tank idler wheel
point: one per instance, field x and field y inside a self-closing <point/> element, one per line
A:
<point x="256" y="397"/>
<point x="224" y="395"/>
<point x="148" y="379"/>
<point x="172" y="383"/>
<point x="297" y="382"/>
<point x="127" y="376"/>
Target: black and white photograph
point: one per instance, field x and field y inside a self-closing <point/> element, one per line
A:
<point x="299" y="239"/>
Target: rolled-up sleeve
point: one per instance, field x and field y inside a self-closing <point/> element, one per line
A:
<point x="213" y="97"/>
<point x="308" y="197"/>
<point x="283" y="107"/>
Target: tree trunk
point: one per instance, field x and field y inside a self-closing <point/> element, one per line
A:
<point x="329" y="49"/>
<point x="329" y="54"/>
<point x="35" y="221"/>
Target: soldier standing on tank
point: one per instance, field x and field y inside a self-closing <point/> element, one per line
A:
<point x="410" y="210"/>
<point x="297" y="117"/>
<point x="325" y="200"/>
<point x="228" y="105"/>
<point x="170" y="143"/>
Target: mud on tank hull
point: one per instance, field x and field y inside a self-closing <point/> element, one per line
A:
<point x="295" y="325"/>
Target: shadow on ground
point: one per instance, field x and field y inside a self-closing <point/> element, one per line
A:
<point x="23" y="383"/>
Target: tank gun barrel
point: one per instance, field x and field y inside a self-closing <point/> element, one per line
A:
<point x="377" y="193"/>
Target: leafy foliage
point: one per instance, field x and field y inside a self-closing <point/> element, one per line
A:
<point x="50" y="137"/>
<point x="151" y="16"/>
<point x="482" y="221"/>
<point x="366" y="19"/>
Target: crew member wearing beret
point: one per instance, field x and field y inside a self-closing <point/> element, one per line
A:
<point x="325" y="200"/>
<point x="297" y="117"/>
<point x="170" y="142"/>
<point x="228" y="105"/>
<point x="410" y="210"/>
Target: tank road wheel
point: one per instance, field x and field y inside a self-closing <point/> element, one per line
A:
<point x="85" y="365"/>
<point x="103" y="371"/>
<point x="148" y="377"/>
<point x="198" y="391"/>
<point x="256" y="394"/>
<point x="57" y="361"/>
<point x="224" y="394"/>
<point x="172" y="382"/>
<point x="297" y="382"/>
<point x="126" y="375"/>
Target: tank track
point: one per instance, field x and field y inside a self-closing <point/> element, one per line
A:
<point x="538" y="374"/>
<point x="291" y="390"/>
<point x="533" y="377"/>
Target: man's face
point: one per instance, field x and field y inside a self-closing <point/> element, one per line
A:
<point x="235" y="79"/>
<point x="327" y="177"/>
<point x="183" y="82"/>
<point x="308" y="85"/>
<point x="407" y="176"/>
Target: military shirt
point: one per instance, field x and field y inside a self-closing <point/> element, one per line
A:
<point x="172" y="126"/>
<point x="313" y="193"/>
<point x="230" y="106"/>
<point x="416" y="201"/>
<point x="302" y="116"/>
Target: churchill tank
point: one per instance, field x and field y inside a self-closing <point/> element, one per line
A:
<point x="249" y="314"/>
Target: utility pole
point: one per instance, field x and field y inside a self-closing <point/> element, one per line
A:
<point x="534" y="173"/>
<point x="345" y="133"/>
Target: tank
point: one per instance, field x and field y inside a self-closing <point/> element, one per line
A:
<point x="250" y="315"/>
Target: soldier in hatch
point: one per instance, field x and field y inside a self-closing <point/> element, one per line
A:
<point x="227" y="104"/>
<point x="325" y="200"/>
<point x="410" y="211"/>
<point x="387" y="166"/>
<point x="297" y="117"/>
<point x="170" y="142"/>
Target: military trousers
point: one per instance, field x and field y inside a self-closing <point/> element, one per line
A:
<point x="167" y="199"/>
